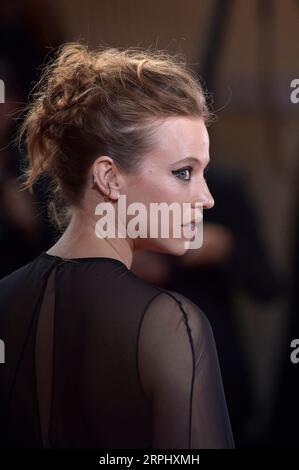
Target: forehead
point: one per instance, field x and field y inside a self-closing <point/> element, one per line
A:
<point x="182" y="136"/>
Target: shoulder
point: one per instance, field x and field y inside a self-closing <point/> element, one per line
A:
<point x="13" y="278"/>
<point x="174" y="314"/>
<point x="23" y="280"/>
<point x="174" y="339"/>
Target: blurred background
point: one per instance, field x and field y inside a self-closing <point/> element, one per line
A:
<point x="245" y="277"/>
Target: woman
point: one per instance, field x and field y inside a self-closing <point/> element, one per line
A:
<point x="96" y="357"/>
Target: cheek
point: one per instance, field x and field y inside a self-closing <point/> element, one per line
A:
<point x="156" y="189"/>
<point x="159" y="190"/>
<point x="166" y="189"/>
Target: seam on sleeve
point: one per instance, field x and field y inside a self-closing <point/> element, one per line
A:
<point x="185" y="316"/>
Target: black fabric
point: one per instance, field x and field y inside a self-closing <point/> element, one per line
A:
<point x="98" y="358"/>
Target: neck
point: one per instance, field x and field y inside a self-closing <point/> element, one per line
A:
<point x="80" y="241"/>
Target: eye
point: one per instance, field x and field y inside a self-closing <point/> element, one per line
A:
<point x="182" y="172"/>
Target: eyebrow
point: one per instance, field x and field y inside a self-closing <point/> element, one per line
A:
<point x="190" y="160"/>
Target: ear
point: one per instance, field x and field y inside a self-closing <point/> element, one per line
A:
<point x="106" y="177"/>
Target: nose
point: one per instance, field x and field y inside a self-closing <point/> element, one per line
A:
<point x="209" y="201"/>
<point x="207" y="198"/>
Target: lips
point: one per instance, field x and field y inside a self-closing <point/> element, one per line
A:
<point x="192" y="222"/>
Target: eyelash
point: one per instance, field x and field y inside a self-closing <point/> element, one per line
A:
<point x="177" y="172"/>
<point x="190" y="168"/>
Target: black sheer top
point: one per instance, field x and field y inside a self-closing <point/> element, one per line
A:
<point x="95" y="357"/>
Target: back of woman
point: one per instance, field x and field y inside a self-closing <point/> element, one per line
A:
<point x="83" y="338"/>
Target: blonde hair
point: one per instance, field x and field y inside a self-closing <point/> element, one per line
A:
<point x="105" y="101"/>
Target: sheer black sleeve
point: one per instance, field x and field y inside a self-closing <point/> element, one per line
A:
<point x="180" y="376"/>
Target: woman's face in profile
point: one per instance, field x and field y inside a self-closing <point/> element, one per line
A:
<point x="173" y="172"/>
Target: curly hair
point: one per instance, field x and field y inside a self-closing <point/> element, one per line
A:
<point x="105" y="101"/>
